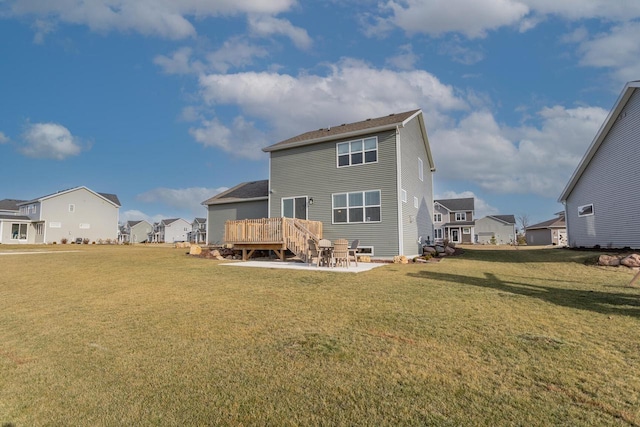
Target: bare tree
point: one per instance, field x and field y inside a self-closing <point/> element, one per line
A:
<point x="524" y="222"/>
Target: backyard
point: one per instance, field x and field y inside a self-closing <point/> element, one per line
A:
<point x="147" y="335"/>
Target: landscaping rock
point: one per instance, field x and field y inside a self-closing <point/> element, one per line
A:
<point x="195" y="250"/>
<point x="439" y="249"/>
<point x="429" y="250"/>
<point x="609" y="260"/>
<point x="631" y="261"/>
<point x="215" y="253"/>
<point x="449" y="250"/>
<point x="400" y="259"/>
<point x="364" y="258"/>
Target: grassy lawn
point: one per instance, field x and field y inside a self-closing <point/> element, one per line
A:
<point x="135" y="335"/>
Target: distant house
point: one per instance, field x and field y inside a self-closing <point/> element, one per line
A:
<point x="135" y="232"/>
<point x="75" y="214"/>
<point x="170" y="231"/>
<point x="495" y="229"/>
<point x="248" y="200"/>
<point x="602" y="207"/>
<point x="453" y="219"/>
<point x="370" y="180"/>
<point x="10" y="207"/>
<point x="550" y="232"/>
<point x="198" y="233"/>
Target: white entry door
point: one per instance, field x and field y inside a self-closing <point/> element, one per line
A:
<point x="455" y="235"/>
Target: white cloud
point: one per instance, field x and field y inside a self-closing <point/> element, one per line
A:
<point x="481" y="207"/>
<point x="234" y="53"/>
<point x="527" y="159"/>
<point x="164" y="18"/>
<point x="617" y="50"/>
<point x="49" y="140"/>
<point x="182" y="198"/>
<point x="180" y="62"/>
<point x="475" y="18"/>
<point x="264" y="25"/>
<point x="405" y="60"/>
<point x="351" y="91"/>
<point x="3" y="138"/>
<point x="242" y="139"/>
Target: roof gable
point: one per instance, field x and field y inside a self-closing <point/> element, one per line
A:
<point x="621" y="102"/>
<point x="111" y="198"/>
<point x="552" y="223"/>
<point x="508" y="219"/>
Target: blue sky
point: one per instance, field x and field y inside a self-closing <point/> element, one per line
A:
<point x="168" y="102"/>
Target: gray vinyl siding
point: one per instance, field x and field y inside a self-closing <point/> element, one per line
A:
<point x="607" y="183"/>
<point x="417" y="224"/>
<point x="100" y="215"/>
<point x="139" y="233"/>
<point x="177" y="231"/>
<point x="312" y="171"/>
<point x="487" y="227"/>
<point x="217" y="215"/>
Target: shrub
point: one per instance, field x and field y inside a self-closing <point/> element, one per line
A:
<point x="85" y="241"/>
<point x="63" y="241"/>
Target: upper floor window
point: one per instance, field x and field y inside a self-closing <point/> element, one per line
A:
<point x="72" y="208"/>
<point x="585" y="210"/>
<point x="420" y="169"/>
<point x="357" y="152"/>
<point x="461" y="216"/>
<point x="437" y="217"/>
<point x="360" y="206"/>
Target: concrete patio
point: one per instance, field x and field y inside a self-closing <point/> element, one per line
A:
<point x="302" y="266"/>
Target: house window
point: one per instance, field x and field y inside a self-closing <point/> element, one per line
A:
<point x="40" y="229"/>
<point x="84" y="226"/>
<point x="416" y="202"/>
<point x="55" y="225"/>
<point x="19" y="231"/>
<point x="365" y="250"/>
<point x="357" y="152"/>
<point x="461" y="216"/>
<point x="361" y="206"/>
<point x="585" y="210"/>
<point x="72" y="208"/>
<point x="466" y="230"/>
<point x="404" y="196"/>
<point x="294" y="207"/>
<point x="437" y="233"/>
<point x="420" y="169"/>
<point x="437" y="217"/>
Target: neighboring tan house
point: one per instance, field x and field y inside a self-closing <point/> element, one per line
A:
<point x="170" y="231"/>
<point x="198" y="233"/>
<point x="75" y="215"/>
<point x="551" y="232"/>
<point x="14" y="227"/>
<point x="495" y="229"/>
<point x="135" y="232"/>
<point x="369" y="180"/>
<point x="601" y="206"/>
<point x="453" y="220"/>
<point x="249" y="200"/>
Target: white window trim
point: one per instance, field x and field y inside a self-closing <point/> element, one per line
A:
<point x="435" y="233"/>
<point x="363" y="152"/>
<point x="420" y="169"/>
<point x="416" y="202"/>
<point x="369" y="248"/>
<point x="463" y="216"/>
<point x="466" y="230"/>
<point x="72" y="207"/>
<point x="282" y="199"/>
<point x="581" y="208"/>
<point x="364" y="206"/>
<point x="404" y="196"/>
<point x="439" y="215"/>
<point x="26" y="231"/>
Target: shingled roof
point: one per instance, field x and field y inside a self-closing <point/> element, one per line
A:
<point x="110" y="197"/>
<point x="552" y="223"/>
<point x="246" y="191"/>
<point x="464" y="204"/>
<point x="344" y="130"/>
<point x="10" y="204"/>
<point x="509" y="219"/>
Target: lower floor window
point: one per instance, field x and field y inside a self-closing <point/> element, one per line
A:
<point x="19" y="231"/>
<point x="438" y="233"/>
<point x="360" y="206"/>
<point x="466" y="230"/>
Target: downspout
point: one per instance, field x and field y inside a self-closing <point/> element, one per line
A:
<point x="399" y="192"/>
<point x="269" y="190"/>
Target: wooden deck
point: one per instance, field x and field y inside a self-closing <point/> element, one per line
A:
<point x="275" y="234"/>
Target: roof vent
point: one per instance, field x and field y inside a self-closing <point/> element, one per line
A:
<point x="367" y="120"/>
<point x="392" y="114"/>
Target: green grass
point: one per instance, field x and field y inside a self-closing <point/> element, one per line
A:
<point x="143" y="335"/>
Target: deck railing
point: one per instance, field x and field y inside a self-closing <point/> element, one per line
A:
<point x="293" y="234"/>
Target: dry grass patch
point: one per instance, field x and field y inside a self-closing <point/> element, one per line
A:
<point x="146" y="336"/>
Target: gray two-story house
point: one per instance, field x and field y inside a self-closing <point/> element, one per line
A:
<point x="135" y="232"/>
<point x="369" y="180"/>
<point x="601" y="206"/>
<point x="454" y="220"/>
<point x="496" y="230"/>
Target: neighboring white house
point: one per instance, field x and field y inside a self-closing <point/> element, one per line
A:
<point x="198" y="232"/>
<point x="75" y="214"/>
<point x="170" y="231"/>
<point x="135" y="232"/>
<point x="602" y="206"/>
<point x="496" y="229"/>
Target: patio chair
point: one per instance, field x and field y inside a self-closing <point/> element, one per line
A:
<point x="325" y="248"/>
<point x="341" y="252"/>
<point x="313" y="253"/>
<point x="353" y="251"/>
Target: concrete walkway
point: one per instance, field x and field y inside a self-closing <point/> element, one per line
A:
<point x="302" y="266"/>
